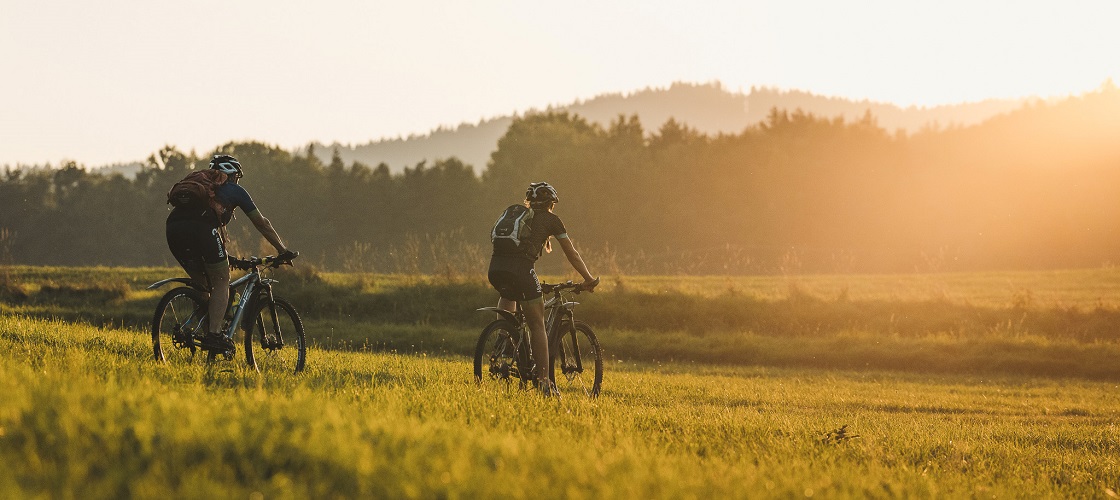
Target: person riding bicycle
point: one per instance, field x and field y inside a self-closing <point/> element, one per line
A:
<point x="512" y="272"/>
<point x="195" y="236"/>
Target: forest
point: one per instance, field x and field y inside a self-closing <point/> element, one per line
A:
<point x="1035" y="188"/>
<point x="708" y="108"/>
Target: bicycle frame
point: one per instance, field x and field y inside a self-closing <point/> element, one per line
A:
<point x="557" y="309"/>
<point x="251" y="281"/>
<point x="267" y="320"/>
<point x="248" y="285"/>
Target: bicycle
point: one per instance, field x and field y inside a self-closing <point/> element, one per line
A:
<point x="504" y="353"/>
<point x="181" y="319"/>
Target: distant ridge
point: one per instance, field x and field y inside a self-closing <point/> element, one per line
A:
<point x="708" y="108"/>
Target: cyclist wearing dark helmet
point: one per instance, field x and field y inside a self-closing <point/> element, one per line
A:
<point x="513" y="275"/>
<point x="195" y="237"/>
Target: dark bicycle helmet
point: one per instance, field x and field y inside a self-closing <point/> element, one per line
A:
<point x="541" y="193"/>
<point x="226" y="164"/>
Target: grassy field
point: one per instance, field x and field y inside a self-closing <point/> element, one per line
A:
<point x="923" y="386"/>
<point x="1064" y="323"/>
<point x="87" y="414"/>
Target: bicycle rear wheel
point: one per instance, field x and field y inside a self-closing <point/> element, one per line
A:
<point x="576" y="360"/>
<point x="495" y="354"/>
<point x="178" y="325"/>
<point x="278" y="330"/>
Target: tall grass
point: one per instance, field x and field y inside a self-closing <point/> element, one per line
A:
<point x="86" y="414"/>
<point x="1047" y="324"/>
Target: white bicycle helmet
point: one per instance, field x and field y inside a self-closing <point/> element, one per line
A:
<point x="226" y="164"/>
<point x="541" y="193"/>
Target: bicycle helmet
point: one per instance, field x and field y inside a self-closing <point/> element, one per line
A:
<point x="226" y="164"/>
<point x="541" y="193"/>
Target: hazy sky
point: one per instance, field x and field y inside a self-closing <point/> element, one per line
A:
<point x="114" y="80"/>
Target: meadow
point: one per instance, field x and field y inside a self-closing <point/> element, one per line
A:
<point x="1053" y="323"/>
<point x="998" y="385"/>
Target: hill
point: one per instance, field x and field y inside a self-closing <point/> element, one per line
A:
<point x="707" y="108"/>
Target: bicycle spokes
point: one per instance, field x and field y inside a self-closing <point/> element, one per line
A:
<point x="571" y="364"/>
<point x="279" y="331"/>
<point x="501" y="357"/>
<point x="178" y="324"/>
<point x="497" y="353"/>
<point x="577" y="363"/>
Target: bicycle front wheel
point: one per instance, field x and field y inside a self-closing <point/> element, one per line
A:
<point x="178" y="325"/>
<point x="495" y="354"/>
<point x="278" y="332"/>
<point x="576" y="360"/>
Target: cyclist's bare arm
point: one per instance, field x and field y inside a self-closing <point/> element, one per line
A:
<point x="265" y="227"/>
<point x="575" y="259"/>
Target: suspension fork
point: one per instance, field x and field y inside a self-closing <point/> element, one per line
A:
<point x="576" y="360"/>
<point x="266" y="294"/>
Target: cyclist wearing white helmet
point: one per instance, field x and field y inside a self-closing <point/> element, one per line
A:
<point x="195" y="237"/>
<point x="513" y="275"/>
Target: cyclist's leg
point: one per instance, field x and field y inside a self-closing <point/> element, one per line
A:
<point x="182" y="241"/>
<point x="199" y="248"/>
<point x="219" y="293"/>
<point x="532" y="303"/>
<point x="210" y="275"/>
<point x="506" y="305"/>
<point x="534" y="316"/>
<point x="217" y="269"/>
<point x="197" y="273"/>
<point x="516" y="281"/>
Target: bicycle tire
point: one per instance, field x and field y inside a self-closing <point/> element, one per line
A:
<point x="178" y="324"/>
<point x="282" y="342"/>
<point x="570" y="352"/>
<point x="496" y="353"/>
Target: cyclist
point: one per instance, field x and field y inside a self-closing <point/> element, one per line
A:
<point x="513" y="275"/>
<point x="195" y="236"/>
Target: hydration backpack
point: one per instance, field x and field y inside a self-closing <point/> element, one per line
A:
<point x="511" y="230"/>
<point x="197" y="190"/>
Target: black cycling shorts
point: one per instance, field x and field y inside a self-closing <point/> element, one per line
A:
<point x="195" y="243"/>
<point x="514" y="278"/>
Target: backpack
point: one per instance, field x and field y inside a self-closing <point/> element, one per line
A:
<point x="511" y="230"/>
<point x="197" y="190"/>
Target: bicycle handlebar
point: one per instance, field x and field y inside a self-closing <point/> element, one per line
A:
<point x="568" y="285"/>
<point x="272" y="261"/>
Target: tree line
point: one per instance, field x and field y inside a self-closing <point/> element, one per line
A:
<point x="708" y="108"/>
<point x="1034" y="188"/>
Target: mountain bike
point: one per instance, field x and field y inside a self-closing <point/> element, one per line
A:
<point x="181" y="319"/>
<point x="504" y="353"/>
